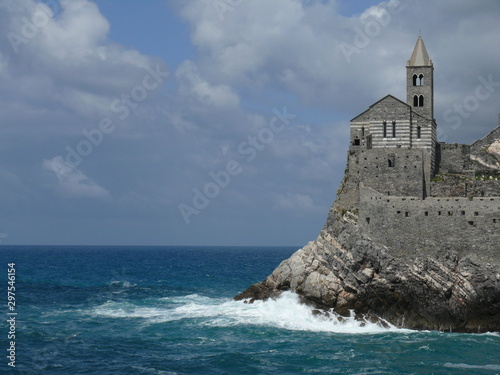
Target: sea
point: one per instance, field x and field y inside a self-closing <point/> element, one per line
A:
<point x="169" y="310"/>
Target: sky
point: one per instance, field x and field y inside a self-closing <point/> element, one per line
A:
<point x="213" y="122"/>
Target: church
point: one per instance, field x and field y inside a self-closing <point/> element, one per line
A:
<point x="407" y="127"/>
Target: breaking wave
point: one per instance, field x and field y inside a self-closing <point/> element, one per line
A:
<point x="286" y="312"/>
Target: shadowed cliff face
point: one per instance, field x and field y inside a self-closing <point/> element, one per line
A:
<point x="347" y="271"/>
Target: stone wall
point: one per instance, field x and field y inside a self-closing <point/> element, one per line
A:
<point x="390" y="171"/>
<point x="462" y="186"/>
<point x="452" y="158"/>
<point x="412" y="227"/>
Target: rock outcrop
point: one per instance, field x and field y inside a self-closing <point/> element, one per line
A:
<point x="345" y="270"/>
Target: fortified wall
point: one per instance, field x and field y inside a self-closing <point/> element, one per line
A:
<point x="411" y="226"/>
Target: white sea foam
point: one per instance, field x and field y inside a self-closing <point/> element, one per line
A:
<point x="478" y="367"/>
<point x="286" y="312"/>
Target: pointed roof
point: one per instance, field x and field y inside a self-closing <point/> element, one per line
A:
<point x="420" y="57"/>
<point x="387" y="97"/>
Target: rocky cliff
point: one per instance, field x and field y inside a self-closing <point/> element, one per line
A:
<point x="344" y="270"/>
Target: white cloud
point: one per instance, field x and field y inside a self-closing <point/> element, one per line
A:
<point x="72" y="181"/>
<point x="64" y="62"/>
<point x="192" y="84"/>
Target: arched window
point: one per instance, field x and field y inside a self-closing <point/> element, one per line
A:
<point x="385" y="129"/>
<point x="418" y="101"/>
<point x="421" y="80"/>
<point x="415" y="80"/>
<point x="419" y="132"/>
<point x="362" y="131"/>
<point x="394" y="129"/>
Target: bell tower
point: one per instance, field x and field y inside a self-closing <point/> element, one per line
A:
<point x="420" y="81"/>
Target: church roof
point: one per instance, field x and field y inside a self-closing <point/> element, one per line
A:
<point x="420" y="57"/>
<point x="387" y="97"/>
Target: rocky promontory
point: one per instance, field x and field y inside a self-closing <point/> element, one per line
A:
<point x="345" y="270"/>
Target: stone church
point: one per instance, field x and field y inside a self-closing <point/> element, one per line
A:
<point x="401" y="183"/>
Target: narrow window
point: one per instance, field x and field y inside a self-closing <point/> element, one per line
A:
<point x="421" y="101"/>
<point x="362" y="131"/>
<point x="414" y="80"/>
<point x="421" y="80"/>
<point x="394" y="129"/>
<point x="415" y="101"/>
<point x="391" y="160"/>
<point x="419" y="132"/>
<point x="367" y="220"/>
<point x="407" y="214"/>
<point x="385" y="129"/>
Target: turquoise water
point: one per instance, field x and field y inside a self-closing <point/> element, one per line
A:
<point x="168" y="310"/>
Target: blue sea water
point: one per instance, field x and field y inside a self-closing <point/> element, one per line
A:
<point x="168" y="310"/>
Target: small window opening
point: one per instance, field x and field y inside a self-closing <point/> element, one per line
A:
<point x="419" y="132"/>
<point x="426" y="213"/>
<point x="420" y="81"/>
<point x="385" y="129"/>
<point x="367" y="220"/>
<point x="391" y="160"/>
<point x="394" y="129"/>
<point x="421" y="101"/>
<point x="415" y="78"/>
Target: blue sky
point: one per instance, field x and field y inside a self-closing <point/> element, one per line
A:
<point x="212" y="122"/>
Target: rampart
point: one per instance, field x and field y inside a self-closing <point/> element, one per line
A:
<point x="413" y="227"/>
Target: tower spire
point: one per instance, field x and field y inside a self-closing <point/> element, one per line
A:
<point x="420" y="57"/>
